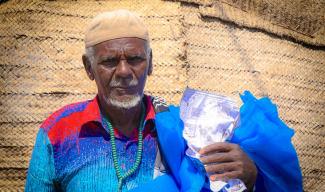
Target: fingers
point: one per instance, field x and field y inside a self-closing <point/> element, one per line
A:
<point x="217" y="147"/>
<point x="224" y="161"/>
<point x="225" y="176"/>
<point x="219" y="168"/>
<point x="223" y="167"/>
<point x="216" y="158"/>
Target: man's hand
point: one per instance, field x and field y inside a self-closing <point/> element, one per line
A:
<point x="226" y="161"/>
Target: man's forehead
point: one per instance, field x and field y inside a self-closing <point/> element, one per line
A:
<point x="121" y="44"/>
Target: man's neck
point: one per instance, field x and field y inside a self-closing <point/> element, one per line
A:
<point x="125" y="120"/>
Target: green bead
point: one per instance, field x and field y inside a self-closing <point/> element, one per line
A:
<point x="114" y="151"/>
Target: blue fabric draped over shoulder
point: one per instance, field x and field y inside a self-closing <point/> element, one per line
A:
<point x="261" y="134"/>
<point x="183" y="175"/>
<point x="267" y="140"/>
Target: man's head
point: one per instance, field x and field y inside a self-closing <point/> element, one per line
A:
<point x="118" y="57"/>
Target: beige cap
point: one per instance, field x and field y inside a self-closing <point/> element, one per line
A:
<point x="113" y="25"/>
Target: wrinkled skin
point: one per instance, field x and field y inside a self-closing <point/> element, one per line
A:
<point x="123" y="60"/>
<point x="111" y="62"/>
<point x="226" y="161"/>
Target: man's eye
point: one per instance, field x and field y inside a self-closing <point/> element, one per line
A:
<point x="135" y="60"/>
<point x="110" y="62"/>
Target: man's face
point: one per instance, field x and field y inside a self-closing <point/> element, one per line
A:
<point x="120" y="68"/>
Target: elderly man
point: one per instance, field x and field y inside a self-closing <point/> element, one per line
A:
<point x="124" y="140"/>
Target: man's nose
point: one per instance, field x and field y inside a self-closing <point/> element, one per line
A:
<point x="123" y="69"/>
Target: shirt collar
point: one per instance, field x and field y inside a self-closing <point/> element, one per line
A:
<point x="92" y="113"/>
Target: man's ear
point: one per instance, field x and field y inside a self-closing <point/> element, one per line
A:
<point x="150" y="63"/>
<point x="87" y="65"/>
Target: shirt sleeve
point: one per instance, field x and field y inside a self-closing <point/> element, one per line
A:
<point x="41" y="172"/>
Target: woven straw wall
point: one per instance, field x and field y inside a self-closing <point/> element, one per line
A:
<point x="40" y="61"/>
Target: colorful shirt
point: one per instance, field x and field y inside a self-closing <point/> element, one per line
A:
<point x="73" y="152"/>
<point x="260" y="129"/>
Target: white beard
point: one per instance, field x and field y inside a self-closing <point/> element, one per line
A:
<point x="132" y="102"/>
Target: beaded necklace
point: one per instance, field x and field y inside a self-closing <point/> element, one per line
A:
<point x="121" y="177"/>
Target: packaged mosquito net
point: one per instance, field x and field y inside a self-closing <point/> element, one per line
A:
<point x="209" y="118"/>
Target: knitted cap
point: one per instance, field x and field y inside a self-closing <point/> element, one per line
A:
<point x="113" y="25"/>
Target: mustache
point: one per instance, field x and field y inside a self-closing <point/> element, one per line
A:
<point x="123" y="83"/>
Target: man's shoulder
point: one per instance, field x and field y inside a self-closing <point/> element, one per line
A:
<point x="64" y="114"/>
<point x="159" y="103"/>
<point x="164" y="111"/>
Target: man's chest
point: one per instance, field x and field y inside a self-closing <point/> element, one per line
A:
<point x="87" y="163"/>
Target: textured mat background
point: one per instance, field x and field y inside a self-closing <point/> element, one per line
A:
<point x="301" y="20"/>
<point x="193" y="45"/>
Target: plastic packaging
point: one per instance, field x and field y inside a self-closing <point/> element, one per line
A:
<point x="209" y="118"/>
